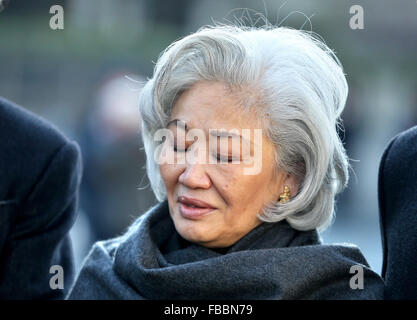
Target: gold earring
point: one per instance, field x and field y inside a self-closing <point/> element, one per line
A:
<point x="285" y="196"/>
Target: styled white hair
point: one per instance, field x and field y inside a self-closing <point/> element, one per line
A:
<point x="300" y="91"/>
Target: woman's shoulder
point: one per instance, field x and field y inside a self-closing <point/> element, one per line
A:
<point x="332" y="271"/>
<point x="97" y="278"/>
<point x="96" y="275"/>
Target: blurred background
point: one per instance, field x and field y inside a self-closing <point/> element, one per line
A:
<point x="86" y="79"/>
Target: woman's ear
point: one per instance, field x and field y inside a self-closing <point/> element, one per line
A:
<point x="293" y="183"/>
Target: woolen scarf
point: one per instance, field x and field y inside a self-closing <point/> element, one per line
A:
<point x="273" y="261"/>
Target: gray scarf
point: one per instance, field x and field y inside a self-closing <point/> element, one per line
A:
<point x="273" y="261"/>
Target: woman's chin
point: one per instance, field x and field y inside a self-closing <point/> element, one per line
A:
<point x="194" y="231"/>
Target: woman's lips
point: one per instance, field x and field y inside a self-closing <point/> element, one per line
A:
<point x="193" y="212"/>
<point x="192" y="202"/>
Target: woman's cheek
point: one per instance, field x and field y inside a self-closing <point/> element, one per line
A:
<point x="228" y="185"/>
<point x="168" y="175"/>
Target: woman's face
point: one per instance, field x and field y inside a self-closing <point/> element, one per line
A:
<point x="234" y="197"/>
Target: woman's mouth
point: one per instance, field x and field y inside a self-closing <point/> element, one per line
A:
<point x="191" y="212"/>
<point x="193" y="208"/>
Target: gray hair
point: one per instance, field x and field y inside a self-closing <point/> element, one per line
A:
<point x="300" y="92"/>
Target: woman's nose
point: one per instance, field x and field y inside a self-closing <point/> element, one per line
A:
<point x="194" y="176"/>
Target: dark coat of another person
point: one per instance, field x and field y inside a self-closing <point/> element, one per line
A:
<point x="40" y="172"/>
<point x="397" y="190"/>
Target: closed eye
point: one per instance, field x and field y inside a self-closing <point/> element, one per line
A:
<point x="219" y="157"/>
<point x="178" y="150"/>
<point x="224" y="159"/>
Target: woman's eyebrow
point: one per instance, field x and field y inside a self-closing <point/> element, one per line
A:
<point x="213" y="132"/>
<point x="225" y="133"/>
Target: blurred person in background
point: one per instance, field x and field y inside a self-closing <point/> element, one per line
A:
<point x="113" y="163"/>
<point x="217" y="232"/>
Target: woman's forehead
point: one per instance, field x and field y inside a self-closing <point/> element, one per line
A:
<point x="208" y="97"/>
<point x="211" y="107"/>
<point x="212" y="117"/>
<point x="217" y="128"/>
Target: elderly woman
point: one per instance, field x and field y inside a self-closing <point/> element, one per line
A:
<point x="239" y="127"/>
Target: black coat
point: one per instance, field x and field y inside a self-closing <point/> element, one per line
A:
<point x="397" y="190"/>
<point x="40" y="171"/>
